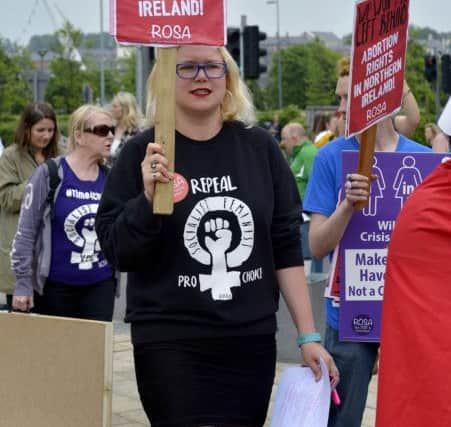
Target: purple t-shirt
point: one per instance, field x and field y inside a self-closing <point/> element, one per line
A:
<point x="76" y="255"/>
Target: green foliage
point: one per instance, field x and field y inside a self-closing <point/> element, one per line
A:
<point x="8" y="125"/>
<point x="258" y="94"/>
<point x="64" y="90"/>
<point x="309" y="77"/>
<point x="420" y="87"/>
<point x="308" y="72"/>
<point x="15" y="91"/>
<point x="63" y="120"/>
<point x="290" y="113"/>
<point x="127" y="72"/>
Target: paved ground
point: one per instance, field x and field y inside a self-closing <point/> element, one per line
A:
<point x="127" y="411"/>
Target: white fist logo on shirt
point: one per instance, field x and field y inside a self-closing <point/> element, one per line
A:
<point x="218" y="241"/>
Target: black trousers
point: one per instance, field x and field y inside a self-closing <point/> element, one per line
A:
<point x="9" y="303"/>
<point x="93" y="302"/>
<point x="225" y="381"/>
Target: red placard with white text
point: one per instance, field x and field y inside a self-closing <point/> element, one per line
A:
<point x="168" y="22"/>
<point x="379" y="44"/>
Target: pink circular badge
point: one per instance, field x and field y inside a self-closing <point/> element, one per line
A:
<point x="180" y="187"/>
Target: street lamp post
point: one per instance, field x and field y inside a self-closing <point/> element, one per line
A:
<point x="102" y="58"/>
<point x="279" y="53"/>
<point x="42" y="53"/>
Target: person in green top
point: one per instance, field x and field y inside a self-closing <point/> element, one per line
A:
<point x="300" y="153"/>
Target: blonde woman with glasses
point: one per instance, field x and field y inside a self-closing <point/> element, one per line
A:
<point x="204" y="283"/>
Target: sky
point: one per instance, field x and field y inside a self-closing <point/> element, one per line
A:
<point x="20" y="19"/>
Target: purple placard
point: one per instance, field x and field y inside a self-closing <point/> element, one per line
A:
<point x="363" y="248"/>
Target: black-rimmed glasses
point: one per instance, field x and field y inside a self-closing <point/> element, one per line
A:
<point x="190" y="70"/>
<point x="100" y="130"/>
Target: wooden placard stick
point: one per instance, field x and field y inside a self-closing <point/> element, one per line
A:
<point x="163" y="201"/>
<point x="366" y="158"/>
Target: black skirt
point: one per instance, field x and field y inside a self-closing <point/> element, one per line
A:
<point x="224" y="381"/>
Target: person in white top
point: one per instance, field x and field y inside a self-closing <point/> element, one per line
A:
<point x="127" y="117"/>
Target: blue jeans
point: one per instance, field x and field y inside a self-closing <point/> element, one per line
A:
<point x="355" y="361"/>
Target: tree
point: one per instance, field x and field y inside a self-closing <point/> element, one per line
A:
<point x="321" y="77"/>
<point x="420" y="87"/>
<point x="14" y="88"/>
<point x="127" y="71"/>
<point x="308" y="75"/>
<point x="64" y="90"/>
<point x="258" y="94"/>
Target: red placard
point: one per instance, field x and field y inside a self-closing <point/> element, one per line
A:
<point x="379" y="44"/>
<point x="168" y="22"/>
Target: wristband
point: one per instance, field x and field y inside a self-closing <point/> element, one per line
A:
<point x="306" y="338"/>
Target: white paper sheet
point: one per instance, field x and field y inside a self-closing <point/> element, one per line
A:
<point x="300" y="400"/>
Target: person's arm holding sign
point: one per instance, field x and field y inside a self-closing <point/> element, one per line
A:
<point x="154" y="168"/>
<point x="329" y="222"/>
<point x="327" y="231"/>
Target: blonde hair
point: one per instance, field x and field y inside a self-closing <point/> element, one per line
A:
<point x="78" y="120"/>
<point x="344" y="66"/>
<point x="236" y="105"/>
<point x="131" y="113"/>
<point x="295" y="129"/>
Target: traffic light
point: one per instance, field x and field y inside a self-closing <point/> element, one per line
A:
<point x="233" y="43"/>
<point x="430" y="68"/>
<point x="446" y="73"/>
<point x="252" y="52"/>
<point x="150" y="53"/>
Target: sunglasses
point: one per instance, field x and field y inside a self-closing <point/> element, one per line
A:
<point x="100" y="130"/>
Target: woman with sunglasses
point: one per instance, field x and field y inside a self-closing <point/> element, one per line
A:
<point x="36" y="140"/>
<point x="56" y="257"/>
<point x="203" y="283"/>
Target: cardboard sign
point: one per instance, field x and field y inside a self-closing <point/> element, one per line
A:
<point x="168" y="22"/>
<point x="363" y="247"/>
<point x="377" y="62"/>
<point x="55" y="371"/>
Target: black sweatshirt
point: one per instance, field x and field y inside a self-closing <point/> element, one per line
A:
<point x="209" y="268"/>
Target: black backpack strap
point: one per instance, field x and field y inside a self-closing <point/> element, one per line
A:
<point x="54" y="181"/>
